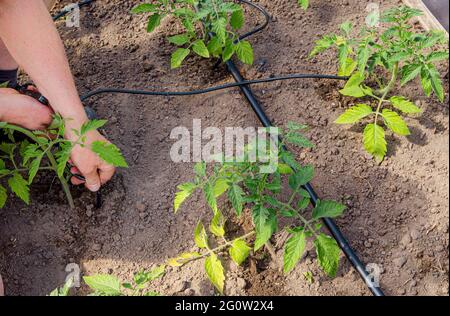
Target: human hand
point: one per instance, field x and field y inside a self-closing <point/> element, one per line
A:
<point x="22" y="110"/>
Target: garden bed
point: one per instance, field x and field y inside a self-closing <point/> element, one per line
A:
<point x="397" y="213"/>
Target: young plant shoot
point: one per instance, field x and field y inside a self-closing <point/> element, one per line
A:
<point x="210" y="28"/>
<point x="246" y="188"/>
<point x="21" y="158"/>
<point x="377" y="63"/>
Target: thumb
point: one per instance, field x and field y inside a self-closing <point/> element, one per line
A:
<point x="92" y="181"/>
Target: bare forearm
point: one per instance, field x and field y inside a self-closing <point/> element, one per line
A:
<point x="28" y="32"/>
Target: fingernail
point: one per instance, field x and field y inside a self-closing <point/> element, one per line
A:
<point x="94" y="187"/>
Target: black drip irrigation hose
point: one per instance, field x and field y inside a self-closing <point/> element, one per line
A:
<point x="264" y="119"/>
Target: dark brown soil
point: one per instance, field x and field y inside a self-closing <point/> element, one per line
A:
<point x="397" y="212"/>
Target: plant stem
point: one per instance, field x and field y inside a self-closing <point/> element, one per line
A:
<point x="50" y="157"/>
<point x="385" y="91"/>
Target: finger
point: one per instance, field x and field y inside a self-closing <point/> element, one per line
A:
<point x="106" y="173"/>
<point x="92" y="181"/>
<point x="74" y="170"/>
<point x="76" y="181"/>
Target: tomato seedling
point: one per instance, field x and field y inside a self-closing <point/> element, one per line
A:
<point x="22" y="158"/>
<point x="246" y="187"/>
<point x="210" y="28"/>
<point x="376" y="62"/>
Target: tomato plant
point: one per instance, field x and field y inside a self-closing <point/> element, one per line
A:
<point x="304" y="4"/>
<point x="210" y="28"/>
<point x="110" y="285"/>
<point x="376" y="63"/>
<point x="246" y="187"/>
<point x="21" y="158"/>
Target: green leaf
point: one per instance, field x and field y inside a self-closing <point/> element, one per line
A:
<point x="200" y="169"/>
<point x="34" y="168"/>
<point x="265" y="225"/>
<point x="409" y="72"/>
<point x="184" y="191"/>
<point x="244" y="52"/>
<point x="293" y="250"/>
<point x="404" y="105"/>
<point x="215" y="271"/>
<point x="354" y="114"/>
<point x="239" y="251"/>
<point x="104" y="284"/>
<point x="3" y="196"/>
<point x="323" y="44"/>
<point x="426" y="82"/>
<point x="210" y="197"/>
<point x="353" y="86"/>
<point x="328" y="209"/>
<point x="62" y="157"/>
<point x="109" y="153"/>
<point x="235" y="195"/>
<point x="327" y="254"/>
<point x="304" y="4"/>
<point x="92" y="125"/>
<point x="302" y="176"/>
<point x="219" y="27"/>
<point x="284" y="169"/>
<point x="217" y="226"/>
<point x="220" y="187"/>
<point x="436" y="82"/>
<point x="228" y="51"/>
<point x="237" y="19"/>
<point x="346" y="27"/>
<point x="200" y="237"/>
<point x="200" y="48"/>
<point x="298" y="139"/>
<point x="436" y="56"/>
<point x="153" y="22"/>
<point x="179" y="40"/>
<point x="395" y="122"/>
<point x="374" y="141"/>
<point x="20" y="187"/>
<point x="144" y="8"/>
<point x="178" y="57"/>
<point x="215" y="46"/>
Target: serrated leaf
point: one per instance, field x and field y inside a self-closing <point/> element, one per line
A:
<point x="220" y="187"/>
<point x="395" y="123"/>
<point x="298" y="139"/>
<point x="404" y="105"/>
<point x="265" y="225"/>
<point x="217" y="226"/>
<point x="353" y="86"/>
<point x="215" y="271"/>
<point x="436" y="82"/>
<point x="179" y="40"/>
<point x="284" y="169"/>
<point x="237" y="19"/>
<point x="210" y="197"/>
<point x="436" y="56"/>
<point x="426" y="82"/>
<point x="219" y="27"/>
<point x="200" y="237"/>
<point x="104" y="283"/>
<point x="34" y="168"/>
<point x="354" y="114"/>
<point x="144" y="8"/>
<point x="323" y="44"/>
<point x="62" y="157"/>
<point x="184" y="191"/>
<point x="244" y="52"/>
<point x="200" y="169"/>
<point x="215" y="46"/>
<point x="302" y="176"/>
<point x="200" y="48"/>
<point x="153" y="22"/>
<point x="328" y="209"/>
<point x="20" y="187"/>
<point x="228" y="51"/>
<point x="109" y="153"/>
<point x="183" y="259"/>
<point x="235" y="195"/>
<point x="293" y="250"/>
<point x="178" y="57"/>
<point x="409" y="72"/>
<point x="92" y="125"/>
<point x="374" y="141"/>
<point x="328" y="253"/>
<point x="239" y="251"/>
